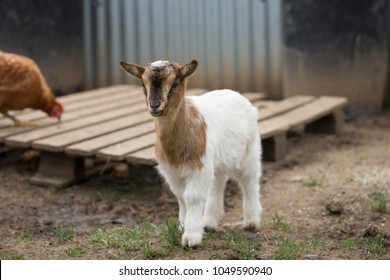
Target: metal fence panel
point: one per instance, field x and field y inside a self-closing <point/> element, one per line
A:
<point x="227" y="37"/>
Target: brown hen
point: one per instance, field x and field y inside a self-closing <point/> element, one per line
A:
<point x="22" y="86"/>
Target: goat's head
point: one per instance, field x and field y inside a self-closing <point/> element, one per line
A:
<point x="163" y="82"/>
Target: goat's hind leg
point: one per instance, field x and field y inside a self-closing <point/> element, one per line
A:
<point x="249" y="182"/>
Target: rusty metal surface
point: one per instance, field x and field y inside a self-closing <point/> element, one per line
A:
<point x="50" y="32"/>
<point x="337" y="48"/>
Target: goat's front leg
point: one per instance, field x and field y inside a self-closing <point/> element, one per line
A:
<point x="214" y="209"/>
<point x="177" y="188"/>
<point x="195" y="195"/>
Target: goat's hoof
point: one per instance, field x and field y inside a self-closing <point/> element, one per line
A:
<point x="210" y="229"/>
<point x="253" y="227"/>
<point x="191" y="240"/>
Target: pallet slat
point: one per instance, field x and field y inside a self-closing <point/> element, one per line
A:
<point x="89" y="147"/>
<point x="196" y="91"/>
<point x="78" y="109"/>
<point x="58" y="142"/>
<point x="74" y="101"/>
<point x="144" y="156"/>
<point x="121" y="150"/>
<point x="253" y="96"/>
<point x="78" y="119"/>
<point x="283" y="106"/>
<point x="312" y="111"/>
<point x="96" y="93"/>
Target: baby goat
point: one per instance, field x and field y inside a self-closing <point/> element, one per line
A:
<point x="201" y="142"/>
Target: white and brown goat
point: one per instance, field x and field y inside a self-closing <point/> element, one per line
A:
<point x="201" y="142"/>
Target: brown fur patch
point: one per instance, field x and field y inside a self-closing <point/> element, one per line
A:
<point x="181" y="141"/>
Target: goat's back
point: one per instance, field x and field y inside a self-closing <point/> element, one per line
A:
<point x="231" y="127"/>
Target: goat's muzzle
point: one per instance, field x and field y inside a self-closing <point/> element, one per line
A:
<point x="155" y="110"/>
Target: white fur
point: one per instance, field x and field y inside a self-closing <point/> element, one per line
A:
<point x="233" y="150"/>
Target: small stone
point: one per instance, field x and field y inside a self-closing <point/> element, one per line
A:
<point x="89" y="163"/>
<point x="335" y="208"/>
<point x="121" y="171"/>
<point x="47" y="222"/>
<point x="371" y="231"/>
<point x="29" y="156"/>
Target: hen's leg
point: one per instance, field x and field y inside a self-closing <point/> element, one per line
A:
<point x="16" y="121"/>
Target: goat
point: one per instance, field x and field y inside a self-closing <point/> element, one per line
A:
<point x="201" y="140"/>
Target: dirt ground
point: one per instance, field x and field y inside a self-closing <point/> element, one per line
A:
<point x="323" y="198"/>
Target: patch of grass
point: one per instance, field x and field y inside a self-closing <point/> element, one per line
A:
<point x="170" y="234"/>
<point x="279" y="223"/>
<point x="11" y="255"/>
<point x="150" y="251"/>
<point x="348" y="244"/>
<point x="215" y="256"/>
<point x="310" y="182"/>
<point x="75" y="252"/>
<point x="316" y="244"/>
<point x="123" y="238"/>
<point x="374" y="245"/>
<point x="349" y="179"/>
<point x="244" y="246"/>
<point x="288" y="250"/>
<point x="26" y="238"/>
<point x="146" y="238"/>
<point x="63" y="233"/>
<point x="169" y="237"/>
<point x="378" y="201"/>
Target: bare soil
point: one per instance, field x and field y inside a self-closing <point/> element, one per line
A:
<point x="319" y="197"/>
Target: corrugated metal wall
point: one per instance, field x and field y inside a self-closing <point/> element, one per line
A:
<point x="227" y="37"/>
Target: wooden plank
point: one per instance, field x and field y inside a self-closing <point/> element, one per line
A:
<point x="89" y="147"/>
<point x="120" y="151"/>
<point x="118" y="97"/>
<point x="96" y="93"/>
<point x="284" y="106"/>
<point x="253" y="96"/>
<point x="70" y="99"/>
<point x="145" y="156"/>
<point x="301" y="116"/>
<point x="265" y="103"/>
<point x="313" y="111"/>
<point x="135" y="96"/>
<point x="57" y="143"/>
<point x="272" y="127"/>
<point x="73" y="120"/>
<point x="196" y="91"/>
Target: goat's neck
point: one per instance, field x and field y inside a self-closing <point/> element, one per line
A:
<point x="181" y="136"/>
<point x="174" y="118"/>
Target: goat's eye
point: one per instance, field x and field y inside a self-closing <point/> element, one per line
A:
<point x="144" y="88"/>
<point x="174" y="86"/>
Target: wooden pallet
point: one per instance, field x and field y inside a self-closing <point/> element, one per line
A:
<point x="112" y="124"/>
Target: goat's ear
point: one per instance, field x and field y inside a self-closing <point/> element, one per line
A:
<point x="188" y="69"/>
<point x="133" y="69"/>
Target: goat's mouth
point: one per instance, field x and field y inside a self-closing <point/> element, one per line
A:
<point x="156" y="112"/>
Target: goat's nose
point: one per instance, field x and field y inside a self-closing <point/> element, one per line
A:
<point x="155" y="105"/>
